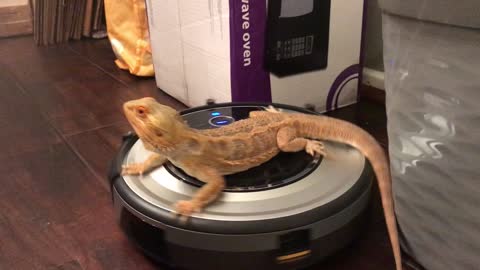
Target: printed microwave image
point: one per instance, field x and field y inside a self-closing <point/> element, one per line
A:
<point x="297" y="36"/>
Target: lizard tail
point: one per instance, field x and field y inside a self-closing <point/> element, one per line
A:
<point x="326" y="128"/>
<point x="377" y="157"/>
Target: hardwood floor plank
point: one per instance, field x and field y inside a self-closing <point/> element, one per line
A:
<point x="23" y="126"/>
<point x="371" y="251"/>
<point x="372" y="94"/>
<point x="98" y="147"/>
<point x="101" y="54"/>
<point x="60" y="113"/>
<point x="74" y="94"/>
<point x="71" y="92"/>
<point x="56" y="214"/>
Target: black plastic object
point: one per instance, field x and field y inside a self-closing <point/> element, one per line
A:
<point x="232" y="227"/>
<point x="297" y="44"/>
<point x="283" y="169"/>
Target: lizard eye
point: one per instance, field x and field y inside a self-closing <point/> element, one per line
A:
<point x="141" y="111"/>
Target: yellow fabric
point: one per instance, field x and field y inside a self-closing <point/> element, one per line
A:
<point x="127" y="28"/>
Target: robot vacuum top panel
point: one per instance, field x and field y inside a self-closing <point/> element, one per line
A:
<point x="293" y="189"/>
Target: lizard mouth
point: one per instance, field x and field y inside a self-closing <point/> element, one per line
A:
<point x="147" y="137"/>
<point x="134" y="124"/>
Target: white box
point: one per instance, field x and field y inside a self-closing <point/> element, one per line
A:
<point x="199" y="49"/>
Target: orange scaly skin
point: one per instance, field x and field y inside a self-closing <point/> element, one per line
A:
<point x="208" y="155"/>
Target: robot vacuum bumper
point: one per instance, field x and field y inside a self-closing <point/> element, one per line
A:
<point x="288" y="213"/>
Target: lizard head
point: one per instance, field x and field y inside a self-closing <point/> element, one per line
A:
<point x="155" y="124"/>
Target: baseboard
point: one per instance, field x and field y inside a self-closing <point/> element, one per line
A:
<point x="15" y="20"/>
<point x="373" y="86"/>
<point x="374" y="78"/>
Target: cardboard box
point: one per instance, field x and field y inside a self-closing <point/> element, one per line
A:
<point x="290" y="51"/>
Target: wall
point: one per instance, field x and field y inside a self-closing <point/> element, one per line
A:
<point x="9" y="3"/>
<point x="15" y="18"/>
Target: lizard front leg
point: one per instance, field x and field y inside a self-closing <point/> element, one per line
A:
<point x="153" y="161"/>
<point x="214" y="184"/>
<point x="288" y="141"/>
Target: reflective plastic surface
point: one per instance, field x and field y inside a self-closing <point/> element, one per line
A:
<point x="432" y="75"/>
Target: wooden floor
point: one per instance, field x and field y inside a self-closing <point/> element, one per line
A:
<point x="61" y="124"/>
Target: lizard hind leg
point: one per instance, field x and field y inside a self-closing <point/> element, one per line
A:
<point x="273" y="109"/>
<point x="270" y="109"/>
<point x="315" y="148"/>
<point x="288" y="141"/>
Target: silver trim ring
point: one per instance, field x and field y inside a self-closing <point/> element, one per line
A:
<point x="231" y="119"/>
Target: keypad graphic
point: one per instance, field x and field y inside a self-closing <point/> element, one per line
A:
<point x="295" y="47"/>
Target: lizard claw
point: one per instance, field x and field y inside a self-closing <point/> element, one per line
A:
<point x="185" y="209"/>
<point x="134" y="168"/>
<point x="272" y="109"/>
<point x="315" y="147"/>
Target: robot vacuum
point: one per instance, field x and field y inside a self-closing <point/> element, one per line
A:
<point x="289" y="213"/>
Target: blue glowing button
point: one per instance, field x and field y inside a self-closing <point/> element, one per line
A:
<point x="220" y="121"/>
<point x="215" y="113"/>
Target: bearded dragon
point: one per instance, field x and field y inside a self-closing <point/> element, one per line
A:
<point x="210" y="154"/>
